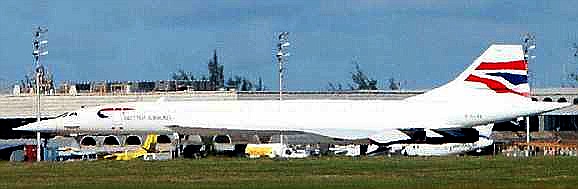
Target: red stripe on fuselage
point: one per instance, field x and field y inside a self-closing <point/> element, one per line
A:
<point x="513" y="65"/>
<point x="494" y="85"/>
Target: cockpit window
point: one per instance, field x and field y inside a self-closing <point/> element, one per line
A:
<point x="73" y="114"/>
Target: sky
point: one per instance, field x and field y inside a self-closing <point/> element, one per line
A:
<point x="422" y="44"/>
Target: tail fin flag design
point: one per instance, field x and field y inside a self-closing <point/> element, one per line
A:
<point x="500" y="70"/>
<point x="503" y="77"/>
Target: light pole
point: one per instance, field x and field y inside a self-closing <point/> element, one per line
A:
<point x="282" y="48"/>
<point x="39" y="48"/>
<point x="529" y="44"/>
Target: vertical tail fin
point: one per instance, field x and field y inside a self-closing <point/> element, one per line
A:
<point x="500" y="70"/>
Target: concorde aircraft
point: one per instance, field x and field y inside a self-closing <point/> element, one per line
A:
<point x="492" y="89"/>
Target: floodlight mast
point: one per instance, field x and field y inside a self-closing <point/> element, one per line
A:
<point x="529" y="44"/>
<point x="281" y="54"/>
<point x="39" y="48"/>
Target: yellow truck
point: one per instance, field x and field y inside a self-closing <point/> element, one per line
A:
<point x="275" y="150"/>
<point x="147" y="147"/>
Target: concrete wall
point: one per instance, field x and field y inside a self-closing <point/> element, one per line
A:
<point x="24" y="106"/>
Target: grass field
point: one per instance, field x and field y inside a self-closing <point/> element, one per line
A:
<point x="395" y="172"/>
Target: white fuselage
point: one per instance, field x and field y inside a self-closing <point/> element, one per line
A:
<point x="316" y="116"/>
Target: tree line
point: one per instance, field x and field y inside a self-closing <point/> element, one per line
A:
<point x="360" y="81"/>
<point x="216" y="78"/>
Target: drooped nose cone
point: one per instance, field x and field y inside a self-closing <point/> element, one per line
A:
<point x="42" y="126"/>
